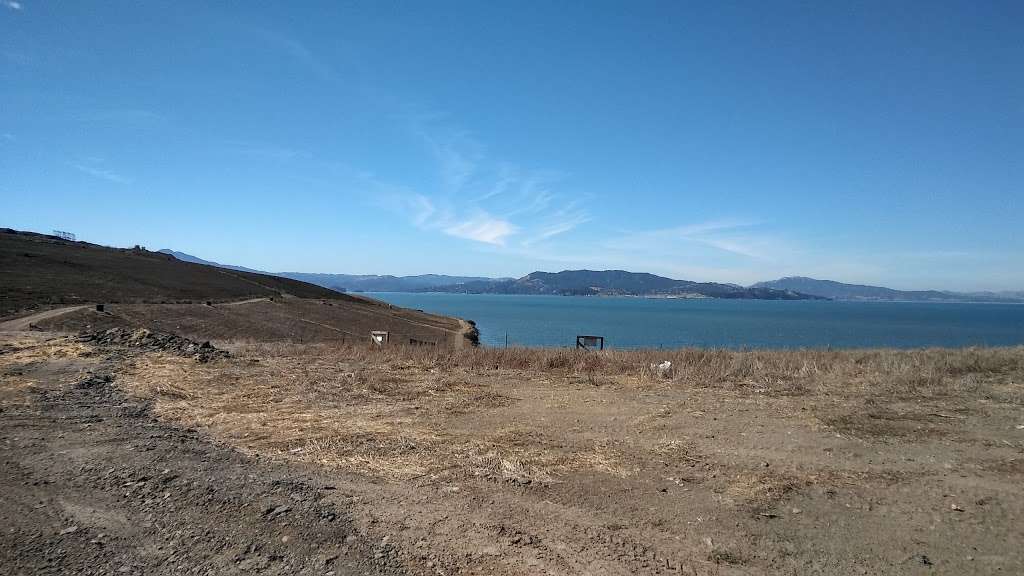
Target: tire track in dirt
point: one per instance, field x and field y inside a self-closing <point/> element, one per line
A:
<point x="91" y="483"/>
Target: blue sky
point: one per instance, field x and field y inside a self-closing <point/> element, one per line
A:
<point x="877" y="142"/>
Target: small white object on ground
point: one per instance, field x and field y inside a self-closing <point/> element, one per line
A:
<point x="663" y="369"/>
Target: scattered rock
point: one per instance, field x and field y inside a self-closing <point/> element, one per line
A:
<point x="157" y="341"/>
<point x="94" y="382"/>
<point x="272" y="513"/>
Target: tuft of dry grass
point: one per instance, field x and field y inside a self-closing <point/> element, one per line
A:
<point x="760" y="490"/>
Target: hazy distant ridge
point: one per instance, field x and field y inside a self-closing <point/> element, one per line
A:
<point x="348" y="282"/>
<point x="622" y="283"/>
<point x="840" y="291"/>
<point x="616" y="283"/>
<point x="375" y="283"/>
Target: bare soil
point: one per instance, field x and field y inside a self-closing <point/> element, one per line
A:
<point x="92" y="483"/>
<point x="51" y="284"/>
<point x="511" y="462"/>
<point x="294" y="320"/>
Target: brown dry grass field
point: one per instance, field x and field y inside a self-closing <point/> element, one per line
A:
<point x="525" y="461"/>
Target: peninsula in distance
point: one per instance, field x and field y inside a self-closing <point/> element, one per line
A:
<point x="622" y="283"/>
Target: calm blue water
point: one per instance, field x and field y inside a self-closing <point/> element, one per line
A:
<point x="643" y="323"/>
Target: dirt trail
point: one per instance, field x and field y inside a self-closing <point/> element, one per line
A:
<point x="23" y="323"/>
<point x="93" y="484"/>
<point x="240" y="302"/>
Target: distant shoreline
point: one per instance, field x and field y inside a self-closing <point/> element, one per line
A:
<point x="688" y="297"/>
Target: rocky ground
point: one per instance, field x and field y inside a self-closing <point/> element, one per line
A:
<point x="141" y="338"/>
<point x="92" y="483"/>
<point x="125" y="454"/>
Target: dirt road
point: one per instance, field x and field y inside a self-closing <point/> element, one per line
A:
<point x="25" y="322"/>
<point x="240" y="302"/>
<point x="91" y="483"/>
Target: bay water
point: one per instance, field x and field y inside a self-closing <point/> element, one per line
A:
<point x="626" y="322"/>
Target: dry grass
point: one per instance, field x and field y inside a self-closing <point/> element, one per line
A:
<point x="386" y="422"/>
<point x="21" y="352"/>
<point x="390" y="412"/>
<point x="27" y="347"/>
<point x="911" y="373"/>
<point x="744" y="451"/>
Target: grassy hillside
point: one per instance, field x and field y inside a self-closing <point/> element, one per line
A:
<point x="38" y="270"/>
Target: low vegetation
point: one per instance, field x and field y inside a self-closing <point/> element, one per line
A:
<point x="568" y="461"/>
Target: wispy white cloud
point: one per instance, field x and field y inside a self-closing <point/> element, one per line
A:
<point x="482" y="227"/>
<point x="422" y="210"/>
<point x="475" y="197"/>
<point x="478" y="226"/>
<point x="565" y="219"/>
<point x="13" y="4"/>
<point x="735" y="236"/>
<point x="555" y="229"/>
<point x="533" y="196"/>
<point x="93" y="167"/>
<point x="300" y="54"/>
<point x="457" y="153"/>
<point x="506" y="177"/>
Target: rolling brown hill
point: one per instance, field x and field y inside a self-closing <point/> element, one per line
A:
<point x="153" y="290"/>
<point x="40" y="270"/>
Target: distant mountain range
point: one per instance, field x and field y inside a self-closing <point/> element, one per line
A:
<point x="196" y="260"/>
<point x="839" y="291"/>
<point x="374" y="283"/>
<point x="622" y="283"/>
<point x="616" y="283"/>
<point x="351" y="282"/>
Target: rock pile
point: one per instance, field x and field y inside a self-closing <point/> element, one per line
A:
<point x="149" y="340"/>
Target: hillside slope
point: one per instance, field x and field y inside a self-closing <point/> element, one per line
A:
<point x="40" y="270"/>
<point x="157" y="291"/>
